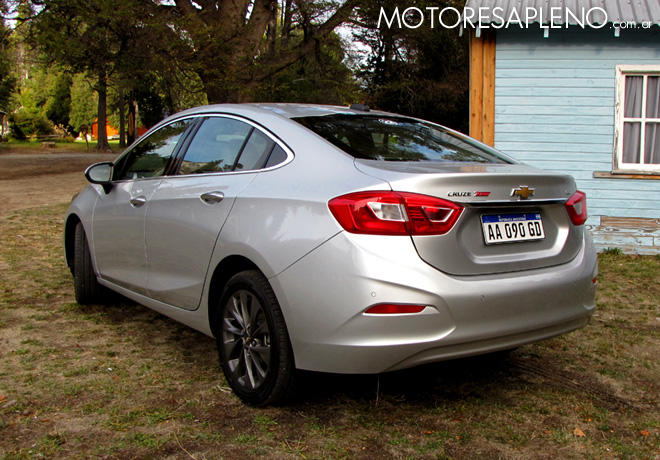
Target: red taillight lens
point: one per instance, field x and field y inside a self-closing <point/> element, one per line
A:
<point x="394" y="309"/>
<point x="394" y="213"/>
<point x="577" y="208"/>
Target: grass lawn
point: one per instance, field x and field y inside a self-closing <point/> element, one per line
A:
<point x="123" y="382"/>
<point x="77" y="146"/>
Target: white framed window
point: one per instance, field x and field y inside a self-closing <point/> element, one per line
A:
<point x="637" y="134"/>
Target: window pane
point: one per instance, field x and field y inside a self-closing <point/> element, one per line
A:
<point x="277" y="156"/>
<point x="633" y="101"/>
<point x="652" y="144"/>
<point x="215" y="146"/>
<point x="149" y="158"/>
<point x="653" y="97"/>
<point x="397" y="139"/>
<point x="255" y="151"/>
<point x="631" y="135"/>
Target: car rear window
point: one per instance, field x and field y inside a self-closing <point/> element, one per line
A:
<point x="385" y="138"/>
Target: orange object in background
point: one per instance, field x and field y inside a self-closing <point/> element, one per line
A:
<point x="112" y="131"/>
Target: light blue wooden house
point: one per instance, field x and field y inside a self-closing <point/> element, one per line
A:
<point x="576" y="90"/>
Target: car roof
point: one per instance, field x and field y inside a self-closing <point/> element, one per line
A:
<point x="290" y="110"/>
<point x="286" y="110"/>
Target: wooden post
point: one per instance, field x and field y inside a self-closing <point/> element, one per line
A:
<point x="482" y="86"/>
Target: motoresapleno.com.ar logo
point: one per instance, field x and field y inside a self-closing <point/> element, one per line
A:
<point x="499" y="18"/>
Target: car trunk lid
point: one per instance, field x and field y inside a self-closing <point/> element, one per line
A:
<point x="514" y="216"/>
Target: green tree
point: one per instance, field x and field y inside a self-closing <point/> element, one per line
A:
<point x="30" y="118"/>
<point x="180" y="89"/>
<point x="234" y="47"/>
<point x="46" y="92"/>
<point x="318" y="77"/>
<point x="7" y="77"/>
<point x="58" y="104"/>
<point x="147" y="95"/>
<point x="95" y="37"/>
<point x="84" y="102"/>
<point x="423" y="71"/>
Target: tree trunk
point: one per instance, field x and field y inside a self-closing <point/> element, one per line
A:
<point x="131" y="135"/>
<point x="271" y="31"/>
<point x="286" y="23"/>
<point x="102" y="90"/>
<point x="122" y="118"/>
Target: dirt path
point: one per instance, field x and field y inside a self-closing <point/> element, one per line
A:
<point x="33" y="178"/>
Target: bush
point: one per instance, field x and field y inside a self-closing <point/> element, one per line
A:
<point x="23" y="124"/>
<point x="15" y="131"/>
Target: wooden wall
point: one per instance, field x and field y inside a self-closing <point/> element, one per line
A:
<point x="482" y="86"/>
<point x="554" y="109"/>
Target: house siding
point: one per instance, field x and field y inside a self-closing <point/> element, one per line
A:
<point x="554" y="109"/>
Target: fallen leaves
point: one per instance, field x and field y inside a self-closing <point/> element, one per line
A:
<point x="579" y="433"/>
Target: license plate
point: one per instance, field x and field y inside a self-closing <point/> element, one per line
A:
<point x="512" y="228"/>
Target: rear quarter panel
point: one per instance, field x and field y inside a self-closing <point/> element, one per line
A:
<point x="283" y="214"/>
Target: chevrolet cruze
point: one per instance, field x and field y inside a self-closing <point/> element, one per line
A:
<point x="332" y="239"/>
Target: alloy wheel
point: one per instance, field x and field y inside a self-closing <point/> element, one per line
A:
<point x="246" y="340"/>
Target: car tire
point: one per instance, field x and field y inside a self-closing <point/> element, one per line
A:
<point x="87" y="288"/>
<point x="253" y="342"/>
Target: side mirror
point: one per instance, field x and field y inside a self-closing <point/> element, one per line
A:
<point x="100" y="173"/>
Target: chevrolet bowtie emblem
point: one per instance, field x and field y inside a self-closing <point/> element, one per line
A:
<point x="523" y="192"/>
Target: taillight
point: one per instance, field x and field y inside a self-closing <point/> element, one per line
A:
<point x="577" y="208"/>
<point x="394" y="213"/>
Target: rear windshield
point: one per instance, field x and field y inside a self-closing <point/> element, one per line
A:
<point x="385" y="138"/>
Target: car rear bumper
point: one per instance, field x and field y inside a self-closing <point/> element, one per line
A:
<point x="324" y="296"/>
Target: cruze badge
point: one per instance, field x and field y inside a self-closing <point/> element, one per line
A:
<point x="524" y="192"/>
<point x="468" y="193"/>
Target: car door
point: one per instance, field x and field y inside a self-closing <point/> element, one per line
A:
<point x="187" y="211"/>
<point x="118" y="219"/>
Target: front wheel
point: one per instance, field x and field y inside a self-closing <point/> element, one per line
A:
<point x="253" y="342"/>
<point x="87" y="288"/>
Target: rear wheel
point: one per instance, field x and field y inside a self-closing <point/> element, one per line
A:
<point x="87" y="288"/>
<point x="253" y="342"/>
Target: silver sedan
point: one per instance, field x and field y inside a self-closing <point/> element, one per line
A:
<point x="332" y="239"/>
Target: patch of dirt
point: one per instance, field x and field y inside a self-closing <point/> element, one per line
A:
<point x="31" y="178"/>
<point x="549" y="373"/>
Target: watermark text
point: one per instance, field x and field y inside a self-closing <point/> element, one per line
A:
<point x="498" y="18"/>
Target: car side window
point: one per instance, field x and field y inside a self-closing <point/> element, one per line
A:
<point x="277" y="156"/>
<point x="216" y="146"/>
<point x="150" y="157"/>
<point x="255" y="152"/>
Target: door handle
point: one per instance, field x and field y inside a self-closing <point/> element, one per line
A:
<point x="212" y="197"/>
<point x="138" y="201"/>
